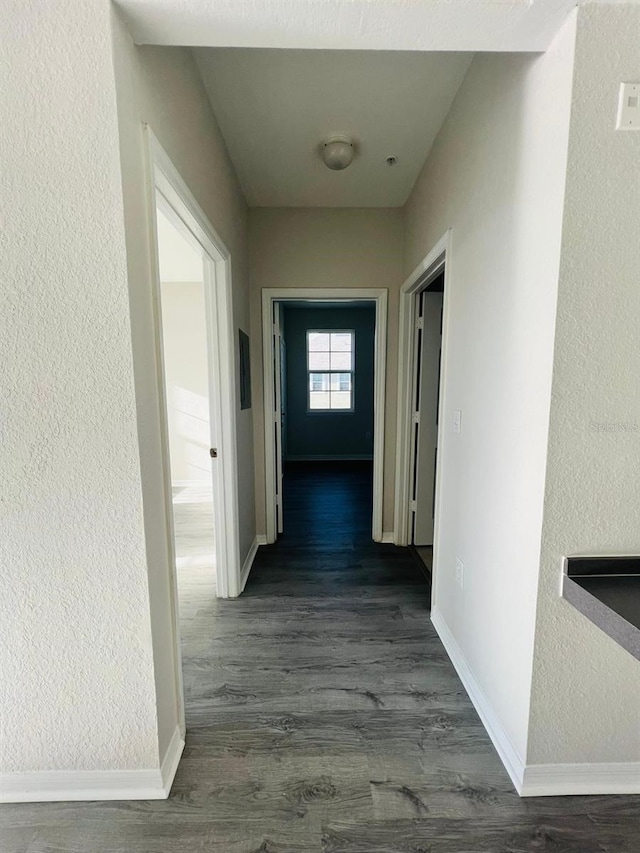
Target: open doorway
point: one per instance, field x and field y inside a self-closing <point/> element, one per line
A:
<point x="187" y="379"/>
<point x="324" y="372"/>
<point x="195" y="360"/>
<point x="421" y="390"/>
<point x="426" y="403"/>
<point x="327" y="415"/>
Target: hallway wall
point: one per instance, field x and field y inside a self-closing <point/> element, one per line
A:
<point x="75" y="652"/>
<point x="162" y="86"/>
<point x="319" y="247"/>
<point x="496" y="177"/>
<point x="592" y="496"/>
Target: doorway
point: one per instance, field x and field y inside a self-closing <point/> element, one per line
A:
<point x="421" y="391"/>
<point x="187" y="400"/>
<point x="327" y="391"/>
<point x="195" y="359"/>
<point x="426" y="400"/>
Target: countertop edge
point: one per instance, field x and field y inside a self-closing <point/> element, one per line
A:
<point x="614" y="625"/>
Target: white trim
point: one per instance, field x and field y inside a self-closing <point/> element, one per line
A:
<point x="165" y="188"/>
<point x="559" y="780"/>
<point x="66" y="785"/>
<point x="169" y="189"/>
<point x="248" y="563"/>
<point x="261" y="538"/>
<point x="171" y="759"/>
<point x="513" y="763"/>
<point x="422" y="275"/>
<point x="325" y="294"/>
<point x="351" y="372"/>
<point x="389" y="537"/>
<point x="536" y="780"/>
<point x="90" y="785"/>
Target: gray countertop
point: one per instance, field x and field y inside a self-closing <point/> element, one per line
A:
<point x="610" y="602"/>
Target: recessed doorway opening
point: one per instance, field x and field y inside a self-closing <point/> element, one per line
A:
<point x="421" y="387"/>
<point x="187" y="399"/>
<point x="324" y="355"/>
<point x="195" y="372"/>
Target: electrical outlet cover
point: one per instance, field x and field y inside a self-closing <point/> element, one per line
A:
<point x="629" y="107"/>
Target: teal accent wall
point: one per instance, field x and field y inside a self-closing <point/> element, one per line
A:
<point x="338" y="435"/>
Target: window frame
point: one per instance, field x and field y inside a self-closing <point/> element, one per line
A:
<point x="352" y="372"/>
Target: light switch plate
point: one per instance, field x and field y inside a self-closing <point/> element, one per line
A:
<point x="629" y="107"/>
<point x="457" y="421"/>
<point x="459" y="572"/>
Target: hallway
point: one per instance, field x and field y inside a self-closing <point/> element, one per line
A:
<point x="324" y="715"/>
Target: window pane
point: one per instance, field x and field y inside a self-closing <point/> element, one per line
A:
<point x="318" y="341"/>
<point x="340" y="361"/>
<point x="319" y="399"/>
<point x="341" y="399"/>
<point x="340" y="381"/>
<point x="319" y="361"/>
<point x="341" y="341"/>
<point x="319" y="381"/>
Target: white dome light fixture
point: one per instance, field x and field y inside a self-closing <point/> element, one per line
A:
<point x="337" y="152"/>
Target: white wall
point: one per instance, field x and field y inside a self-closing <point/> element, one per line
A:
<point x="184" y="344"/>
<point x="586" y="689"/>
<point x="325" y="247"/>
<point x="496" y="177"/>
<point x="75" y="647"/>
<point x="161" y="86"/>
<point x="187" y="380"/>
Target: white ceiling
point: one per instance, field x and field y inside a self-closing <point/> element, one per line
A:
<point x="275" y="108"/>
<point x="461" y="25"/>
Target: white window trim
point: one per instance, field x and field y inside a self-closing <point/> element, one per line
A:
<point x="352" y="372"/>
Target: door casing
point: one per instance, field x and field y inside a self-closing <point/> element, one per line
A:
<point x="346" y="295"/>
<point x="428" y="269"/>
<point x="166" y="188"/>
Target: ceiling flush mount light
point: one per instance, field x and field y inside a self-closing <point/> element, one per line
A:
<point x="337" y="152"/>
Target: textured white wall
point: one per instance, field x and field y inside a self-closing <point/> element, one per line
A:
<point x="496" y="177"/>
<point x="325" y="247"/>
<point x="75" y="644"/>
<point x="586" y="688"/>
<point x="184" y="335"/>
<point x="161" y="86"/>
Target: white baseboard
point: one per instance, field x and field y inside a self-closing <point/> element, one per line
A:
<point x="171" y="759"/>
<point x="66" y="785"/>
<point x="514" y="765"/>
<point x="537" y="780"/>
<point x="389" y="537"/>
<point x="260" y="539"/>
<point x="560" y="780"/>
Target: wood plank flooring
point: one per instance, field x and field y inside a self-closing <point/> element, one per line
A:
<point x="324" y="716"/>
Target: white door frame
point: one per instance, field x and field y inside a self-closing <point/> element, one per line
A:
<point x="167" y="188"/>
<point x="325" y="294"/>
<point x="426" y="271"/>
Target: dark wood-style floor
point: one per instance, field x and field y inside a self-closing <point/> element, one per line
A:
<point x="324" y="715"/>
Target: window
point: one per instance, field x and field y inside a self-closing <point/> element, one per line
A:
<point x="330" y="364"/>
